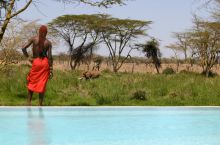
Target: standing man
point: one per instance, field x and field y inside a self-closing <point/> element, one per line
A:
<point x="42" y="64"/>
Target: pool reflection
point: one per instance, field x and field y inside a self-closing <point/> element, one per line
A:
<point x="36" y="127"/>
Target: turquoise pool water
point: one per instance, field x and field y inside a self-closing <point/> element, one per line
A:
<point x="110" y="126"/>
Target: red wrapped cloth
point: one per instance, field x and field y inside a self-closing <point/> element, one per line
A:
<point x="39" y="75"/>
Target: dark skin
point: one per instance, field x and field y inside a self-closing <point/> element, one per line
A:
<point x="48" y="48"/>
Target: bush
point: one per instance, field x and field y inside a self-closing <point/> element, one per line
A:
<point x="106" y="71"/>
<point x="101" y="100"/>
<point x="98" y="60"/>
<point x="168" y="71"/>
<point x="139" y="95"/>
<point x="184" y="72"/>
<point x="211" y="74"/>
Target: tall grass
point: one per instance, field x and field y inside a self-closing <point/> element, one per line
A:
<point x="114" y="89"/>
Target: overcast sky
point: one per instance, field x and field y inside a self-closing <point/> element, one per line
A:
<point x="167" y="15"/>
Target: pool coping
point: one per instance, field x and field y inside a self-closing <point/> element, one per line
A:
<point x="88" y="107"/>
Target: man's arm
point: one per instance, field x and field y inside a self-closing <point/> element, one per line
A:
<point x="50" y="56"/>
<point x="24" y="48"/>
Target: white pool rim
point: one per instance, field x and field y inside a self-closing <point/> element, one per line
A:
<point x="113" y="107"/>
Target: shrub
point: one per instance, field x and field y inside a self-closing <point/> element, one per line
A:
<point x="168" y="71"/>
<point x="139" y="95"/>
<point x="184" y="72"/>
<point x="211" y="74"/>
<point x="106" y="71"/>
<point x="101" y="100"/>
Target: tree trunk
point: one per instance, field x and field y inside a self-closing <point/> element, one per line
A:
<point x="157" y="68"/>
<point x="191" y="62"/>
<point x="71" y="63"/>
<point x="132" y="71"/>
<point x="185" y="55"/>
<point x="177" y="65"/>
<point x="75" y="64"/>
<point x="207" y="71"/>
<point x="115" y="70"/>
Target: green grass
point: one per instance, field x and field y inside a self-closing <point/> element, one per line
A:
<point x="114" y="89"/>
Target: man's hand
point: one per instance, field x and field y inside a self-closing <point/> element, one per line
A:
<point x="51" y="74"/>
<point x="30" y="61"/>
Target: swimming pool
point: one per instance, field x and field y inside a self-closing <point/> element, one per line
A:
<point x="110" y="126"/>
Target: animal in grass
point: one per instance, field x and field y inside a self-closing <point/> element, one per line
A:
<point x="91" y="74"/>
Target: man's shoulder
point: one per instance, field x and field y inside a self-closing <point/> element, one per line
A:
<point x="49" y="42"/>
<point x="34" y="38"/>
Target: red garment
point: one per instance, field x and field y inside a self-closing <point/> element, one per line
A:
<point x="39" y="75"/>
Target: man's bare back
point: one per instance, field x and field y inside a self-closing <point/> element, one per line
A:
<point x="46" y="49"/>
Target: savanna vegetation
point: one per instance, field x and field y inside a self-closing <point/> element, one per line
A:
<point x="169" y="85"/>
<point x="114" y="89"/>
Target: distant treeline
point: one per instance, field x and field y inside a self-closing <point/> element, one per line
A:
<point x="137" y="60"/>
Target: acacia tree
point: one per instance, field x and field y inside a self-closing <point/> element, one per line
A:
<point x="205" y="40"/>
<point x="181" y="44"/>
<point x="80" y="33"/>
<point x="152" y="51"/>
<point x="119" y="36"/>
<point x="175" y="50"/>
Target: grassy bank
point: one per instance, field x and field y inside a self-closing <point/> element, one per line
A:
<point x="114" y="89"/>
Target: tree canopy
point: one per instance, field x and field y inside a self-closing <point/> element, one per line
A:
<point x="99" y="3"/>
<point x="116" y="34"/>
<point x="119" y="34"/>
<point x="80" y="32"/>
<point x="152" y="51"/>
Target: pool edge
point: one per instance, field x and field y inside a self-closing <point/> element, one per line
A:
<point x="109" y="107"/>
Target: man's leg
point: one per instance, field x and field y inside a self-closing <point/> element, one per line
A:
<point x="41" y="99"/>
<point x="29" y="98"/>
